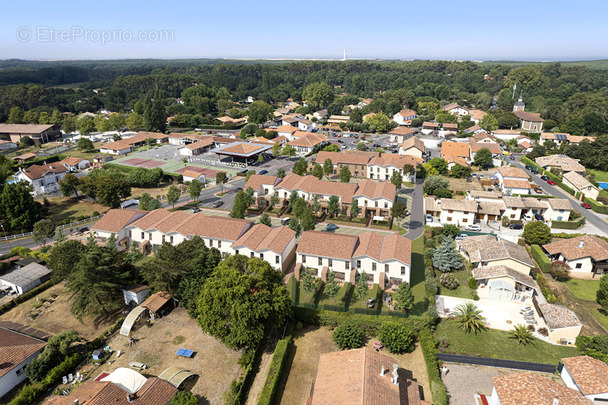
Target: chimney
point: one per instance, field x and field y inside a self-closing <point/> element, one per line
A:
<point x="581" y="244"/>
<point x="395" y="379"/>
<point x="76" y="402"/>
<point x="383" y="371"/>
<point x="129" y="398"/>
<point x="556" y="401"/>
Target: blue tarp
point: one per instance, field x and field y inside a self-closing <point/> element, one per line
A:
<point x="185" y="353"/>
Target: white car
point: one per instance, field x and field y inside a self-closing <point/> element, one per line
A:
<point x="473" y="228"/>
<point x="429" y="218"/>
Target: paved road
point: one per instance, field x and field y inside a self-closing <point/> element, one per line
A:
<point x="417" y="215"/>
<point x="591" y="216"/>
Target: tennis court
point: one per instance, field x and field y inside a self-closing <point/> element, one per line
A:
<point x="139" y="162"/>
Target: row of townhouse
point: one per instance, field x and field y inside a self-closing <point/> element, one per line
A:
<point x="490" y="206"/>
<point x="370" y="165"/>
<point x="127" y="145"/>
<point x="386" y="260"/>
<point x="373" y="198"/>
<point x="559" y="138"/>
<point x="228" y="235"/>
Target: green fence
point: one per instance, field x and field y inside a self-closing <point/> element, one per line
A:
<point x="568" y="224"/>
<point x="541" y="258"/>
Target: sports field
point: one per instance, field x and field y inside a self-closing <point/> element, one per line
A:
<point x="171" y="166"/>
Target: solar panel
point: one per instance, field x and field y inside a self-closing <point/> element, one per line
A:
<point x="561" y="137"/>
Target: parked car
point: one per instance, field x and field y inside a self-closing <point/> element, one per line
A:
<point x="340" y="141"/>
<point x="551" y="182"/>
<point x="285" y="221"/>
<point x="586" y="205"/>
<point x="533" y="170"/>
<point x="331" y="227"/>
<point x="543" y="177"/>
<point x="195" y="210"/>
<point x="480" y="176"/>
<point x="263" y="171"/>
<point x="461" y="236"/>
<point x="506" y="153"/>
<point x="473" y="228"/>
<point x="429" y="218"/>
<point x="516" y="226"/>
<point x="490" y="189"/>
<point x="512" y="157"/>
<point x="218" y="204"/>
<point x="539" y="217"/>
<point x="528" y="167"/>
<point x="538" y="190"/>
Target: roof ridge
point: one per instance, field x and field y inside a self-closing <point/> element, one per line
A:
<point x="588" y="358"/>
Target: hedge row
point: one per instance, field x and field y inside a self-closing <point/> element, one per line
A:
<point x="24" y="297"/>
<point x="368" y="323"/>
<point x="319" y="284"/>
<point x="292" y="287"/>
<point x="541" y="258"/>
<point x="568" y="224"/>
<point x="529" y="162"/>
<point x="597" y="207"/>
<point x="31" y="392"/>
<point x="273" y="379"/>
<point x="429" y="350"/>
<point x="558" y="181"/>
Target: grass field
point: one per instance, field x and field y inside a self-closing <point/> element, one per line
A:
<point x="62" y="208"/>
<point x="601" y="317"/>
<point x="463" y="290"/>
<point x="498" y="344"/>
<point x="417" y="277"/>
<point x="584" y="289"/>
<point x="599" y="175"/>
<point x="171" y="166"/>
<point x="85" y="155"/>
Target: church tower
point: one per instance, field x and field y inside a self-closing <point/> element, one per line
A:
<point x="519" y="104"/>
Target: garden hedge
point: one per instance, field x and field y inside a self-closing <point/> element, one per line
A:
<point x="527" y="161"/>
<point x="541" y="258"/>
<point x="273" y="379"/>
<point x="597" y="207"/>
<point x="568" y="224"/>
<point x="292" y="287"/>
<point x="429" y="351"/>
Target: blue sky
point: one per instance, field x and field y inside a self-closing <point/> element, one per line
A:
<point x="466" y="29"/>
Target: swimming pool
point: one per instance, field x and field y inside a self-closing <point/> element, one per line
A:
<point x="603" y="185"/>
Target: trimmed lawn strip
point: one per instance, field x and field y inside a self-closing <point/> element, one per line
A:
<point x="417" y="277"/>
<point x="583" y="289"/>
<point x="601" y="317"/>
<point x="498" y="344"/>
<point x="599" y="175"/>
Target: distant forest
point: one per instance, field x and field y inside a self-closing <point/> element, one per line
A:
<point x="571" y="96"/>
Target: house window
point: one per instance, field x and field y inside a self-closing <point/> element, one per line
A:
<point x="385" y="205"/>
<point x="358" y="264"/>
<point x="19" y="371"/>
<point x="276" y="259"/>
<point x="163" y="238"/>
<point x="373" y="266"/>
<point x="142" y="236"/>
<point x="512" y="215"/>
<point x="579" y="265"/>
<point x="262" y="256"/>
<point x="450" y="211"/>
<point x="236" y="251"/>
<point x="329" y="262"/>
<point x="171" y="239"/>
<point x="130" y="235"/>
<point x="252" y="255"/>
<point x="376" y="204"/>
<point x="219" y="243"/>
<point x="449" y="218"/>
<point x="150" y="236"/>
<point x="465" y="220"/>
<point x="320" y="261"/>
<point x="347" y="265"/>
<point x="403" y="270"/>
<point x="386" y="268"/>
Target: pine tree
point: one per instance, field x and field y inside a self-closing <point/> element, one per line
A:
<point x="446" y="258"/>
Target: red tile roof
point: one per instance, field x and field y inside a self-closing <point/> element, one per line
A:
<point x="261" y="237"/>
<point x="531" y="388"/>
<point x="589" y="374"/>
<point x="460" y="149"/>
<point x="15" y="348"/>
<point x="327" y="244"/>
<point x="116" y="219"/>
<point x="37" y="171"/>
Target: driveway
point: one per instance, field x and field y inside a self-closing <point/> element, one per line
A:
<point x="417" y="215"/>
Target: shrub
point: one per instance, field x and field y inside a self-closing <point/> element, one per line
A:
<point x="396" y="337"/>
<point x="429" y="351"/>
<point x="560" y="270"/>
<point x="472" y="283"/>
<point x="184" y="398"/>
<point x="537" y="233"/>
<point x="541" y="258"/>
<point x="348" y="336"/>
<point x="449" y="281"/>
<point x="430" y="281"/>
<point x="281" y="352"/>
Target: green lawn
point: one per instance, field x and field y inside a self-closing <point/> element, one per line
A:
<point x="355" y="302"/>
<point x="498" y="344"/>
<point x="69" y="209"/>
<point x="417" y="277"/>
<point x="584" y="289"/>
<point x="601" y="317"/>
<point x="599" y="175"/>
<point x="463" y="290"/>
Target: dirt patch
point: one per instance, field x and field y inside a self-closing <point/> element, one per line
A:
<point x="155" y="192"/>
<point x="54" y="314"/>
<point x="309" y="344"/>
<point x="463" y="381"/>
<point x="214" y="364"/>
<point x="582" y="308"/>
<point x="262" y="373"/>
<point x="463" y="185"/>
<point x="62" y="209"/>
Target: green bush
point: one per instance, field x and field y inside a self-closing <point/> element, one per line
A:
<point x="541" y="258"/>
<point x="527" y="161"/>
<point x="567" y="224"/>
<point x="292" y="287"/>
<point x="184" y="398"/>
<point x="273" y="379"/>
<point x="396" y="337"/>
<point x="28" y="394"/>
<point x="472" y="283"/>
<point x="597" y="207"/>
<point x="429" y="351"/>
<point x="348" y="336"/>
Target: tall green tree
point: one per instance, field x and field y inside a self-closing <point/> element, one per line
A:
<point x="317" y="171"/>
<point x="221" y="178"/>
<point x="483" y="158"/>
<point x="318" y="95"/>
<point x="63" y="258"/>
<point x="345" y="174"/>
<point x="69" y="185"/>
<point x="396" y="179"/>
<point x="404" y="300"/>
<point x="173" y="195"/>
<point x="43" y="230"/>
<point x="243" y="302"/>
<point x="308" y="220"/>
<point x="259" y="112"/>
<point x="265" y="220"/>
<point x="361" y="287"/>
<point x="354" y="208"/>
<point x="332" y="286"/>
<point x="147" y="203"/>
<point x="308" y="283"/>
<point x="537" y="233"/>
<point x="300" y="167"/>
<point x="155" y="117"/>
<point x="85" y="125"/>
<point x="446" y="258"/>
<point x="295" y="226"/>
<point x="280" y="172"/>
<point x="602" y="292"/>
<point x="85" y="145"/>
<point x="488" y="123"/>
<point x="240" y="205"/>
<point x="276" y="149"/>
<point x="328" y="167"/>
<point x="333" y="206"/>
<point x="18" y="208"/>
<point x="194" y="188"/>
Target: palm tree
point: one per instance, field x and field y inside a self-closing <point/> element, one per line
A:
<point x="522" y="334"/>
<point x="470" y="317"/>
